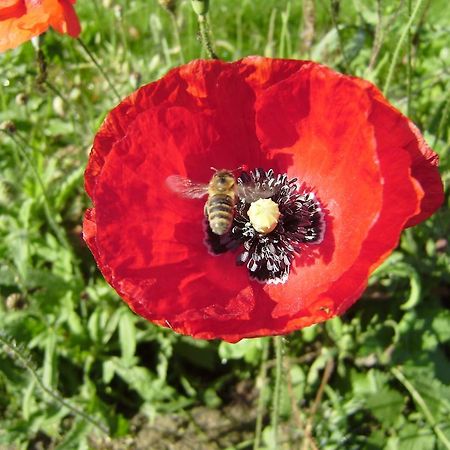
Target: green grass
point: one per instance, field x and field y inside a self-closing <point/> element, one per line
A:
<point x="75" y="361"/>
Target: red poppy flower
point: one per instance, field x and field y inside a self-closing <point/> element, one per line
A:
<point x="342" y="171"/>
<point x="21" y="20"/>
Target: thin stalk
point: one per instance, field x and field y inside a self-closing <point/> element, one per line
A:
<point x="378" y="38"/>
<point x="409" y="65"/>
<point x="400" y="43"/>
<point x="334" y="19"/>
<point x="380" y="32"/>
<point x="81" y="112"/>
<point x="15" y="351"/>
<point x="295" y="409"/>
<point x="278" y="344"/>
<point x="262" y="390"/>
<point x="100" y="69"/>
<point x="284" y="48"/>
<point x="308" y="27"/>
<point x="269" y="51"/>
<point x="42" y="66"/>
<point x="422" y="405"/>
<point x="205" y="37"/>
<point x="57" y="92"/>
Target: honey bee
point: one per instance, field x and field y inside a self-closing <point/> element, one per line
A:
<point x="222" y="191"/>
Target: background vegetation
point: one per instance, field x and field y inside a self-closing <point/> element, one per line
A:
<point x="79" y="370"/>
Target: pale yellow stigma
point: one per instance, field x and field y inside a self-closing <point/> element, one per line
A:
<point x="264" y="215"/>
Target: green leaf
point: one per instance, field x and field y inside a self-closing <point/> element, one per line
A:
<point x="75" y="437"/>
<point x="69" y="186"/>
<point x="127" y="336"/>
<point x="386" y="405"/>
<point x="435" y="394"/>
<point x="365" y="384"/>
<point x="27" y="400"/>
<point x="441" y="325"/>
<point x="7" y="276"/>
<point x="413" y="437"/>
<point x="211" y="398"/>
<point x="49" y="368"/>
<point x="109" y="368"/>
<point x="248" y="349"/>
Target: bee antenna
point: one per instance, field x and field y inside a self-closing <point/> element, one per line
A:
<point x="214" y="169"/>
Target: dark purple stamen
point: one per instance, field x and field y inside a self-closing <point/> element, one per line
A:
<point x="268" y="257"/>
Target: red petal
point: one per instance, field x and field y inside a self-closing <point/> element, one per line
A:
<point x="198" y="88"/>
<point x="396" y="130"/>
<point x="151" y="241"/>
<point x="329" y="145"/>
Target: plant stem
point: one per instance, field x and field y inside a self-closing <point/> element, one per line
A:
<point x="278" y="344"/>
<point x="205" y="37"/>
<point x="262" y="390"/>
<point x="334" y="19"/>
<point x="26" y="362"/>
<point x="100" y="69"/>
<point x="400" y="43"/>
<point x="409" y="65"/>
<point x="378" y="38"/>
<point x="422" y="404"/>
<point x="317" y="400"/>
<point x="309" y="441"/>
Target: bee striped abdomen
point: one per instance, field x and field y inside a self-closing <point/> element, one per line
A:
<point x="220" y="211"/>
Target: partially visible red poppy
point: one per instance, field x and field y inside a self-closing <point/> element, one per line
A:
<point x="21" y="20"/>
<point x="346" y="171"/>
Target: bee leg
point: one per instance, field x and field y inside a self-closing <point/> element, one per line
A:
<point x="206" y="210"/>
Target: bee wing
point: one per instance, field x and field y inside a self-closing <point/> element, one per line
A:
<point x="185" y="187"/>
<point x="251" y="193"/>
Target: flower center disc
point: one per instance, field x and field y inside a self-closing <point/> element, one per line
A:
<point x="274" y="219"/>
<point x="264" y="215"/>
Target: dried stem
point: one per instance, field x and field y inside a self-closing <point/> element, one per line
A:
<point x="315" y="406"/>
<point x="307" y="34"/>
<point x="294" y="406"/>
